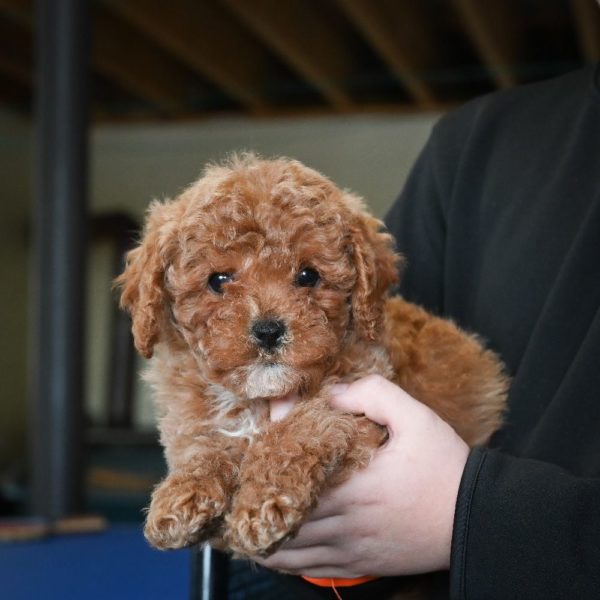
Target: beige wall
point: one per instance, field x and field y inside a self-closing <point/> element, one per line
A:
<point x="130" y="165"/>
<point x="370" y="155"/>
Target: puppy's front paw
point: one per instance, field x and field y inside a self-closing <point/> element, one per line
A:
<point x="256" y="528"/>
<point x="183" y="512"/>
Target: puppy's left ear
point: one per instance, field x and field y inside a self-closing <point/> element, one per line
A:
<point x="142" y="282"/>
<point x="377" y="269"/>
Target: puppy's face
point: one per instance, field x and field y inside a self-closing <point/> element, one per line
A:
<point x="261" y="289"/>
<point x="265" y="270"/>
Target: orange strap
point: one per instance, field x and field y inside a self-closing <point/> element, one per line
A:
<point x="336" y="582"/>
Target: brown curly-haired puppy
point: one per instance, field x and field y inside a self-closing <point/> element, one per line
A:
<point x="260" y="280"/>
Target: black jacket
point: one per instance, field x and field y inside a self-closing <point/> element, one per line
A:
<point x="500" y="223"/>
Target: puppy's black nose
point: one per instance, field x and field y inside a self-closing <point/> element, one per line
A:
<point x="268" y="333"/>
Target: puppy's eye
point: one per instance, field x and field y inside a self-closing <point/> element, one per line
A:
<point x="216" y="281"/>
<point x="307" y="277"/>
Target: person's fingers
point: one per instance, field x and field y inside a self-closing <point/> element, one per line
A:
<point x="327" y="508"/>
<point x="316" y="532"/>
<point x="280" y="407"/>
<point x="301" y="559"/>
<point x="377" y="398"/>
<point x="310" y="562"/>
<point x="330" y="572"/>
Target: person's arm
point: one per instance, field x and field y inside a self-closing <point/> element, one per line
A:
<point x="417" y="222"/>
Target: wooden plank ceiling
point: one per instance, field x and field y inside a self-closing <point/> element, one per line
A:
<point x="187" y="59"/>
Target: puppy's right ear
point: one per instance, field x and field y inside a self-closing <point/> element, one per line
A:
<point x="142" y="282"/>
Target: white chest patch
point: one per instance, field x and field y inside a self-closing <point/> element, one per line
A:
<point x="243" y="423"/>
<point x="265" y="381"/>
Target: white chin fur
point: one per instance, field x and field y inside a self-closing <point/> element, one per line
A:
<point x="267" y="381"/>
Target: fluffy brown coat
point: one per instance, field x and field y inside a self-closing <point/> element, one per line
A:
<point x="235" y="477"/>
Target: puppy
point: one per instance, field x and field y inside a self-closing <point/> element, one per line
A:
<point x="263" y="280"/>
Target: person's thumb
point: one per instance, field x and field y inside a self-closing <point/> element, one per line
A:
<point x="377" y="398"/>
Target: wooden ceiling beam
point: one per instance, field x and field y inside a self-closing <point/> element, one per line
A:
<point x="303" y="40"/>
<point x="207" y="39"/>
<point x="492" y="30"/>
<point x="390" y="29"/>
<point x="586" y="17"/>
<point x="120" y="53"/>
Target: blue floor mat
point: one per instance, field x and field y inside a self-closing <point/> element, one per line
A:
<point x="116" y="564"/>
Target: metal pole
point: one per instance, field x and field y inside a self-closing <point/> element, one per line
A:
<point x="59" y="255"/>
<point x="209" y="574"/>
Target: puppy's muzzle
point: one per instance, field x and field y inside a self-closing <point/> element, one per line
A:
<point x="268" y="334"/>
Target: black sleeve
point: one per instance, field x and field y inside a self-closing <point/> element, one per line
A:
<point x="524" y="529"/>
<point x="418" y="217"/>
<point x="417" y="224"/>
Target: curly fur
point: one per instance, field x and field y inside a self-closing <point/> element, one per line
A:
<point x="236" y="478"/>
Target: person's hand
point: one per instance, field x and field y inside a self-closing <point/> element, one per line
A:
<point x="394" y="517"/>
